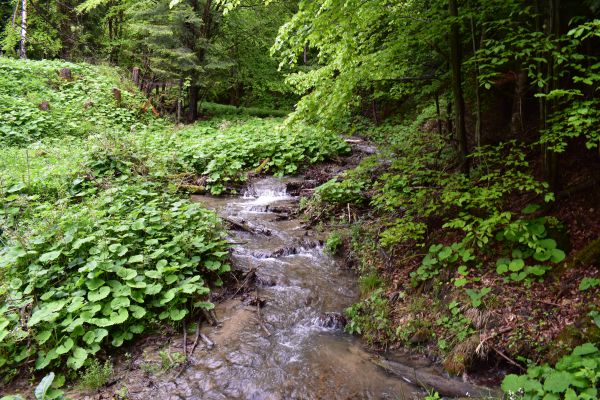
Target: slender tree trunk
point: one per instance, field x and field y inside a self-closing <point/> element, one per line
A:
<point x="22" y="47"/>
<point x="553" y="30"/>
<point x="193" y="106"/>
<point x="457" y="94"/>
<point x="305" y="54"/>
<point x="179" y="101"/>
<point x="439" y="115"/>
<point x="477" y="92"/>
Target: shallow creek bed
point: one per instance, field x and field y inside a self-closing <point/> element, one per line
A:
<point x="279" y="333"/>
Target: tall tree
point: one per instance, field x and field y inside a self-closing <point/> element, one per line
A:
<point x="22" y="48"/>
<point x="457" y="92"/>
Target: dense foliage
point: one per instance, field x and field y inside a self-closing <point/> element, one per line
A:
<point x="480" y="200"/>
<point x="99" y="240"/>
<point x="77" y="106"/>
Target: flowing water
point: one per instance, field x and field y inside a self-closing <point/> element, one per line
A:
<point x="293" y="347"/>
<point x="296" y="353"/>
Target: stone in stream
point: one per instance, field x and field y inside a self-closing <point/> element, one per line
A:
<point x="333" y="320"/>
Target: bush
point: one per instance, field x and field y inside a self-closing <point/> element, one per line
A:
<point x="97" y="273"/>
<point x="225" y="152"/>
<point x="575" y="376"/>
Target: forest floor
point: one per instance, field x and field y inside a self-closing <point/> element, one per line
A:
<point x="517" y="324"/>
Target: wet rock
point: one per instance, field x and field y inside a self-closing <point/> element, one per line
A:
<point x="252" y="300"/>
<point x="333" y="320"/>
<point x="265" y="281"/>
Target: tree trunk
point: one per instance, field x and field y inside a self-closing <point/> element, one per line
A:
<point x="179" y="100"/>
<point x="22" y="48"/>
<point x="552" y="29"/>
<point x="193" y="106"/>
<point x="439" y="115"/>
<point x="517" y="124"/>
<point x="457" y="94"/>
<point x="477" y="92"/>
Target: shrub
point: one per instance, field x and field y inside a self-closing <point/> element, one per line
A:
<point x="97" y="273"/>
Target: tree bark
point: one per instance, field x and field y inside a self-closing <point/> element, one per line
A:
<point x="457" y="93"/>
<point x="477" y="92"/>
<point x="22" y="47"/>
<point x="193" y="106"/>
<point x="550" y="158"/>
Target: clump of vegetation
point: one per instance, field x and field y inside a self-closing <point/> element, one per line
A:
<point x="100" y="271"/>
<point x="575" y="376"/>
<point x="96" y="375"/>
<point x="224" y="153"/>
<point x="77" y="106"/>
<point x="333" y="244"/>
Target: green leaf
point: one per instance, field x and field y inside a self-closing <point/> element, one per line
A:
<point x="77" y="358"/>
<point x="154" y="274"/>
<point x="95" y="283"/>
<point x="557" y="255"/>
<point x="119" y="317"/>
<point x="127" y="273"/>
<point x="558" y="381"/>
<point x="530" y="209"/>
<point x="50" y="256"/>
<point x="89" y="337"/>
<point x="43" y="387"/>
<point x="584" y="349"/>
<point x="65" y="346"/>
<point x="177" y="315"/>
<point x="43" y="336"/>
<point x="136" y="259"/>
<point x="99" y="294"/>
<point x="207" y="305"/>
<point x="119" y="302"/>
<point x="137" y="311"/>
<point x="513" y="383"/>
<point x="100" y="334"/>
<point x="153" y="289"/>
<point x="516" y="265"/>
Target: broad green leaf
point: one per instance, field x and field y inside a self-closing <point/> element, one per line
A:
<point x="50" y="256"/>
<point x="65" y="346"/>
<point x="99" y="294"/>
<point x="43" y="387"/>
<point x="94" y="284"/>
<point x="177" y="315"/>
<point x="77" y="358"/>
<point x="136" y="259"/>
<point x="119" y="302"/>
<point x="557" y="381"/>
<point x="137" y="311"/>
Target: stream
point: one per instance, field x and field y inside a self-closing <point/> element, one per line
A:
<point x="294" y="346"/>
<point x="306" y="355"/>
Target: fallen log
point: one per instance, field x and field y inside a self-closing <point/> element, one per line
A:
<point x="243" y="226"/>
<point x="431" y="381"/>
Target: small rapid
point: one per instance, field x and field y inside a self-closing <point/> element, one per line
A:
<point x="283" y="338"/>
<point x="301" y="352"/>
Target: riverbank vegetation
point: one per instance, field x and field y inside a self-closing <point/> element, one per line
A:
<point x="474" y="227"/>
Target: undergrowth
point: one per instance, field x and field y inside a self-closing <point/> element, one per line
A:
<point x="430" y="231"/>
<point x="98" y="243"/>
